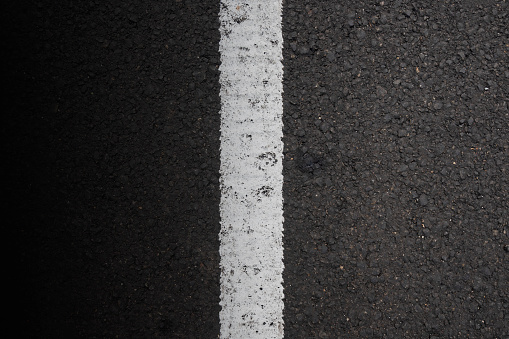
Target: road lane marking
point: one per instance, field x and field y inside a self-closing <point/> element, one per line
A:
<point x="251" y="207"/>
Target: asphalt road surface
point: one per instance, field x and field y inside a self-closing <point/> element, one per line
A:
<point x="396" y="168"/>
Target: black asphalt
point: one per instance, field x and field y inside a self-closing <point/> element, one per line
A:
<point x="116" y="161"/>
<point x="396" y="131"/>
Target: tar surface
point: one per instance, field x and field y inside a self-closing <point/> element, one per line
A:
<point x="396" y="168"/>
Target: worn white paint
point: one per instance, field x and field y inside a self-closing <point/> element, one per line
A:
<point x="251" y="248"/>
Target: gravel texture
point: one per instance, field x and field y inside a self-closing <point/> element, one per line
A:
<point x="114" y="142"/>
<point x="396" y="168"/>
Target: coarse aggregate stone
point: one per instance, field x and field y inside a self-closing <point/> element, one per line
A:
<point x="396" y="132"/>
<point x="396" y="169"/>
<point x="113" y="143"/>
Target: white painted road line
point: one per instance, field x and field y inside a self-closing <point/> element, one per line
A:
<point x="251" y="208"/>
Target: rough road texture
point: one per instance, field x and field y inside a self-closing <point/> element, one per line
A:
<point x="396" y="169"/>
<point x="113" y="126"/>
<point x="251" y="177"/>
